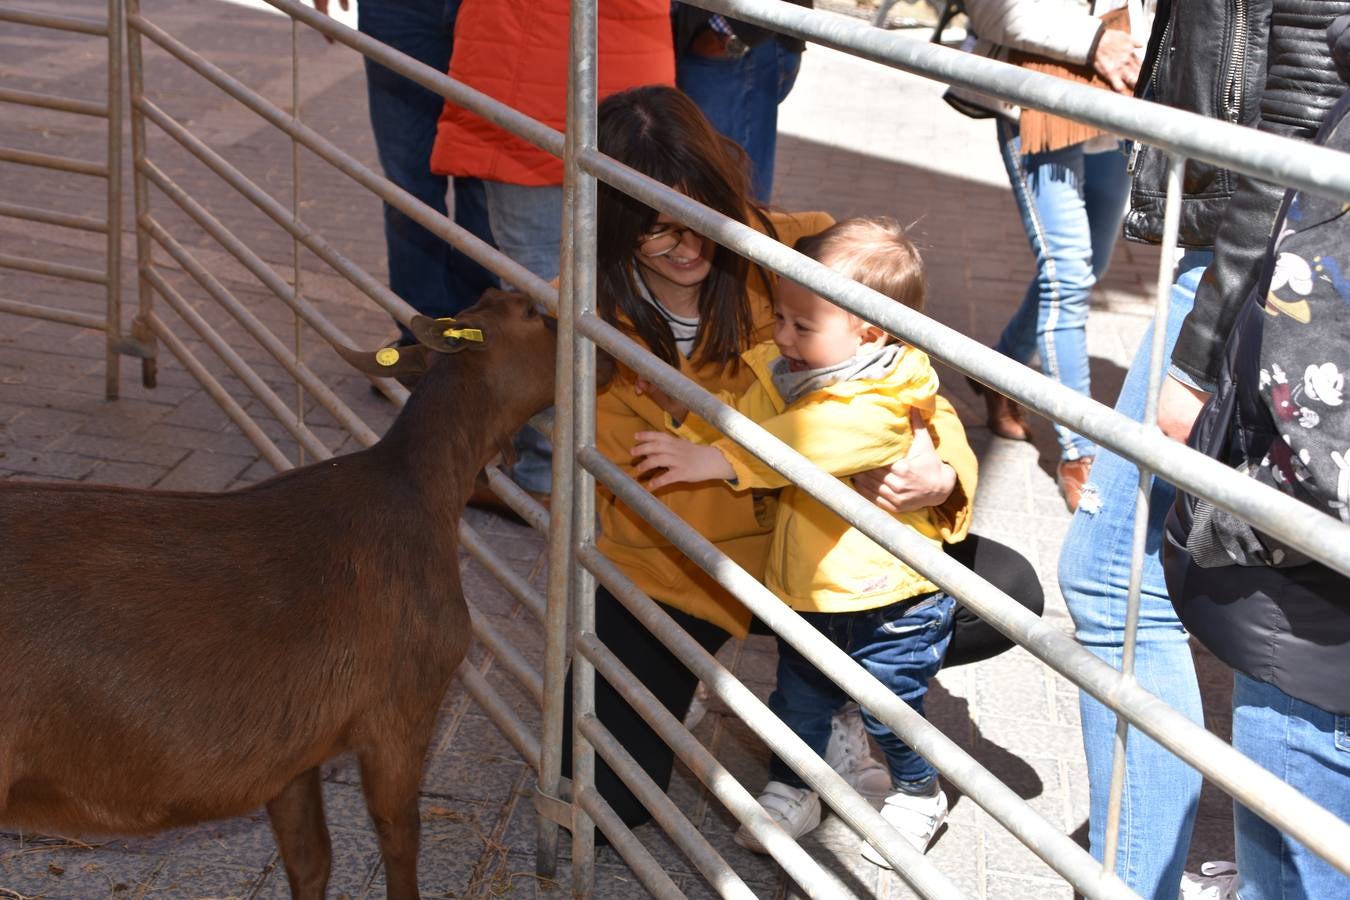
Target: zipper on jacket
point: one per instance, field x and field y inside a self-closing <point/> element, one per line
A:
<point x="1237" y="65"/>
<point x="1138" y="148"/>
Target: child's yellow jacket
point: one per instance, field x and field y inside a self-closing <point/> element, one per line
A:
<point x="817" y="561"/>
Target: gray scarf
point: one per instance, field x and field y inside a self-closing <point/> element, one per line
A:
<point x="867" y="367"/>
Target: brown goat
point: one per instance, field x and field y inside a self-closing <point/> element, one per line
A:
<point x="175" y="657"/>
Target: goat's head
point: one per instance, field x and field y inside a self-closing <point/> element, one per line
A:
<point x="507" y="333"/>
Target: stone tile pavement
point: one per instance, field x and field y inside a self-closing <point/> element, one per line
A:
<point x="856" y="139"/>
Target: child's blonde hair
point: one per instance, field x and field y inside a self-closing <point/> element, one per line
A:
<point x="873" y="252"/>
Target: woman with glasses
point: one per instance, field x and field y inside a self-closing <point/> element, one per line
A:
<point x="698" y="306"/>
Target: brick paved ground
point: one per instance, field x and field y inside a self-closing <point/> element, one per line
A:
<point x="857" y="139"/>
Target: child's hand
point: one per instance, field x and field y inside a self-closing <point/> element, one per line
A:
<point x="682" y="461"/>
<point x="675" y="408"/>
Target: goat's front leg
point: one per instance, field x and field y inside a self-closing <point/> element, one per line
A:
<point x="302" y="835"/>
<point x="390" y="775"/>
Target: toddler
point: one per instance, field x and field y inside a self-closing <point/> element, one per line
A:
<point x="848" y="397"/>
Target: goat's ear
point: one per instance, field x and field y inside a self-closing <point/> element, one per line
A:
<point x="444" y="335"/>
<point x="387" y="362"/>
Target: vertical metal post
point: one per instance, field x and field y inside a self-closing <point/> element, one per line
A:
<point x="1166" y="274"/>
<point x="142" y="330"/>
<point x="113" y="374"/>
<point x="561" y="567"/>
<point x="295" y="218"/>
<point x="580" y="300"/>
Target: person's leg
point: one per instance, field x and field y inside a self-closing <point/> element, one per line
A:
<point x="1309" y="749"/>
<point x="974" y="639"/>
<point x="722" y="89"/>
<point x="660" y="672"/>
<point x="527" y="224"/>
<point x="1106" y="194"/>
<point x="1161" y="792"/>
<point x="773" y="72"/>
<point x="804" y="699"/>
<point x="1048" y="189"/>
<point x="902" y="645"/>
<point x="423" y="270"/>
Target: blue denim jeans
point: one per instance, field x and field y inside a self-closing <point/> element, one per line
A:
<point x="1161" y="793"/>
<point x="740" y="97"/>
<point x="1309" y="749"/>
<point x="527" y="222"/>
<point x="902" y="645"/>
<point x="1071" y="204"/>
<point x="433" y="278"/>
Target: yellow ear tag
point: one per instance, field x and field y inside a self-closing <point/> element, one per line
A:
<point x="386" y="356"/>
<point x="464" y="334"/>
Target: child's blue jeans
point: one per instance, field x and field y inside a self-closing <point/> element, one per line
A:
<point x="901" y="645"/>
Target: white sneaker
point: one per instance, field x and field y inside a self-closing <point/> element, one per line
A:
<point x="796" y="810"/>
<point x="916" y="818"/>
<point x="1217" y="880"/>
<point x="850" y="754"/>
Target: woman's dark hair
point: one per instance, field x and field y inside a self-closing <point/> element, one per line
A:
<point x="661" y="133"/>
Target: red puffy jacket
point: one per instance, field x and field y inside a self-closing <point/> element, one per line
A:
<point x="515" y="51"/>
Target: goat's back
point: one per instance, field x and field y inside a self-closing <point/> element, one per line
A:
<point x="209" y="645"/>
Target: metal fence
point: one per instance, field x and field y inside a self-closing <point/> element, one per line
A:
<point x="109" y="170"/>
<point x="568" y="610"/>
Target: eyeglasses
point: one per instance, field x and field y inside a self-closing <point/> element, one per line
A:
<point x="662" y="241"/>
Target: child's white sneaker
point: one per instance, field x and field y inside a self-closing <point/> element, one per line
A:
<point x="796" y="810"/>
<point x="850" y="754"/>
<point x="1217" y="881"/>
<point x="916" y="818"/>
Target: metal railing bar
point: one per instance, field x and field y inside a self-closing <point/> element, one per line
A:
<point x="648" y="871"/>
<point x="434" y="80"/>
<point x="52" y="101"/>
<point x="1162" y="304"/>
<point x="48" y="20"/>
<point x="51" y="314"/>
<point x="56" y="270"/>
<point x="808" y="873"/>
<point x="112" y="262"/>
<point x="52" y="217"/>
<point x="508" y="723"/>
<point x="256" y="329"/>
<point x="668" y="816"/>
<point x="236" y="364"/>
<point x="521" y="503"/>
<point x="1248" y="782"/>
<point x="509" y="657"/>
<point x="1261" y="155"/>
<point x="269" y="450"/>
<point x="442" y="226"/>
<point x="311" y="239"/>
<point x="52" y="161"/>
<point x="1282" y="516"/>
<point x="575" y="419"/>
<point x="501" y="570"/>
<point x="1057" y="849"/>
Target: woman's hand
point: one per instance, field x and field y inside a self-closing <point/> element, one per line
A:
<point x="675" y="408"/>
<point x="1116" y="59"/>
<point x="918" y="481"/>
<point x="681" y="460"/>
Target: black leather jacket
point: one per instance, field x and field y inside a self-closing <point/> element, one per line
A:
<point x="1289" y="82"/>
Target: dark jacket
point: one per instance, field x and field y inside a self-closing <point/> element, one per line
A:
<point x="1280" y="416"/>
<point x="1299" y="85"/>
<point x="1206" y="57"/>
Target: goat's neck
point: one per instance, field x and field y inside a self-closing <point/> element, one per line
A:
<point x="448" y="430"/>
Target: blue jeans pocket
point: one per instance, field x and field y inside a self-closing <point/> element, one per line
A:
<point x="929" y="614"/>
